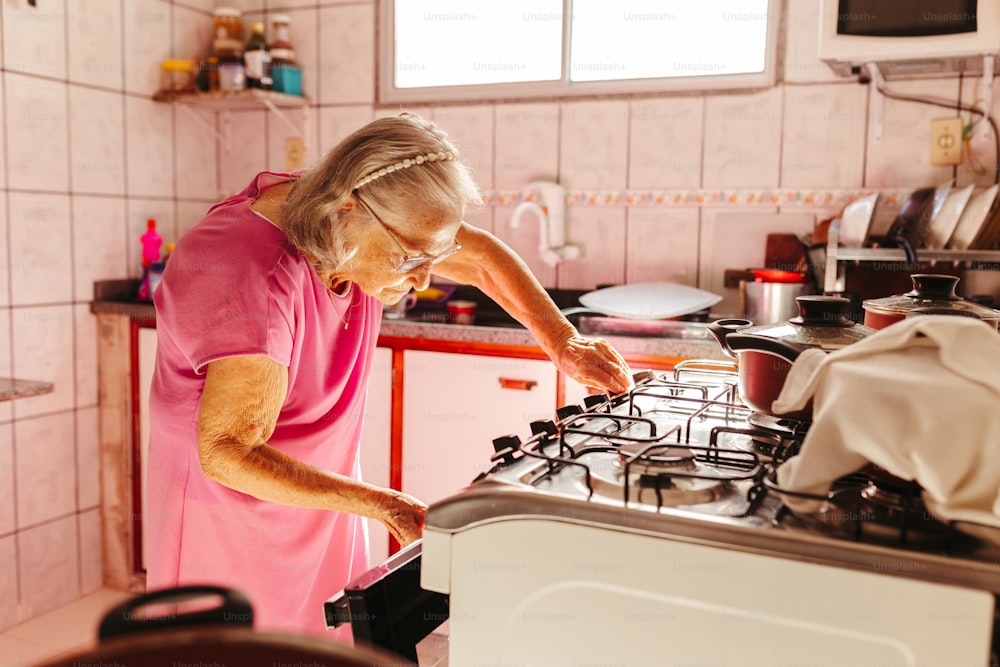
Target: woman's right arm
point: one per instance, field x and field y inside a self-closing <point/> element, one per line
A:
<point x="239" y="409"/>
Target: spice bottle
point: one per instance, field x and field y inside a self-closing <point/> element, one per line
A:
<point x="228" y="40"/>
<point x="285" y="72"/>
<point x="257" y="59"/>
<point x="281" y="45"/>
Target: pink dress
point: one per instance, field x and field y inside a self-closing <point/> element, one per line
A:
<point x="235" y="286"/>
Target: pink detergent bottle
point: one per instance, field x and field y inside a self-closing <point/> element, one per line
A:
<point x="151" y="242"/>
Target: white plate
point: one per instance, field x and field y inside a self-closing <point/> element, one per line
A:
<point x="943" y="224"/>
<point x="941" y="193"/>
<point x="854" y="221"/>
<point x="972" y="218"/>
<point x="649" y="301"/>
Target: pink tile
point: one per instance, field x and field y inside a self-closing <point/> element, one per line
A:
<point x="88" y="459"/>
<point x="594" y="145"/>
<point x="5" y="266"/>
<point x="43" y="350"/>
<point x="37" y="135"/>
<point x="902" y="157"/>
<point x="8" y="520"/>
<point x="347" y="59"/>
<point x="662" y="245"/>
<point x="46" y="476"/>
<point x="41" y="273"/>
<point x="527" y="144"/>
<point x="49" y="566"/>
<point x="599" y="231"/>
<point x="91" y="557"/>
<point x="665" y="142"/>
<point x="801" y="57"/>
<point x="94" y="40"/>
<point x="99" y="242"/>
<point x="149" y="147"/>
<point x="742" y="140"/>
<point x="196" y="153"/>
<point x="97" y="164"/>
<point x="248" y="151"/>
<point x="471" y="130"/>
<point x="8" y="582"/>
<point x="28" y="44"/>
<point x="146" y="37"/>
<point x="823" y="142"/>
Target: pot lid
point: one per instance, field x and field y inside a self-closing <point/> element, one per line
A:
<point x="822" y="322"/>
<point x="931" y="291"/>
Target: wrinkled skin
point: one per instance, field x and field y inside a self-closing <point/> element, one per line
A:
<point x="243" y="395"/>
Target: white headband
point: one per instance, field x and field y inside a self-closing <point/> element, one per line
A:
<point x="404" y="164"/>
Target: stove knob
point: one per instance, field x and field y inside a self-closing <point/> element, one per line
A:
<point x="505" y="446"/>
<point x="546" y="426"/>
<point x="594" y="400"/>
<point x="567" y="411"/>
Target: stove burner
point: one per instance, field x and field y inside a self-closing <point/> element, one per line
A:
<point x="657" y="459"/>
<point x="658" y="489"/>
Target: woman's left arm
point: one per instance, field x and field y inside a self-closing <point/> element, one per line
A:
<point x="489" y="264"/>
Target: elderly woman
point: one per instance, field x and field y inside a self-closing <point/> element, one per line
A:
<point x="267" y="317"/>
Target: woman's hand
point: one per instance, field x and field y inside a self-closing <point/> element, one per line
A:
<point x="403" y="515"/>
<point x="593" y="363"/>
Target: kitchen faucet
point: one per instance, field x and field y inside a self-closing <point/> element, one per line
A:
<point x="551" y="213"/>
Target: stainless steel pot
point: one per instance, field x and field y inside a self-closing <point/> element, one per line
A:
<point x="932" y="294"/>
<point x="766" y="352"/>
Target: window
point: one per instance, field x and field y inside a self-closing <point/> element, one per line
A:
<point x="435" y="50"/>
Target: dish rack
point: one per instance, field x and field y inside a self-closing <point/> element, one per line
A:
<point x="838" y="257"/>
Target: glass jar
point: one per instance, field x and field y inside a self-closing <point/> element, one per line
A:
<point x="177" y="76"/>
<point x="232" y="76"/>
<point x="228" y="40"/>
<point x="281" y="45"/>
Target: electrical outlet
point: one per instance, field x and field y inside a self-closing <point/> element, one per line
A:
<point x="295" y="153"/>
<point x="946" y="141"/>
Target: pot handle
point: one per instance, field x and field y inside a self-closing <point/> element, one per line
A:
<point x="741" y="342"/>
<point x="722" y="329"/>
<point x="124" y="619"/>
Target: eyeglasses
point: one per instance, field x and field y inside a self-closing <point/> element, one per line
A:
<point x="409" y="262"/>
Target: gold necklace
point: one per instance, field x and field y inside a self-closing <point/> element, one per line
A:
<point x="333" y="299"/>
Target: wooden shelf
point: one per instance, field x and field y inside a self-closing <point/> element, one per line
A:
<point x="240" y="100"/>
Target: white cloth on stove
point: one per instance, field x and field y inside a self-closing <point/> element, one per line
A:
<point x="920" y="399"/>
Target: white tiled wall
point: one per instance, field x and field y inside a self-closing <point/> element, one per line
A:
<point x="87" y="157"/>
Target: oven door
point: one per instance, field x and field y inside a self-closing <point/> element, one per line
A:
<point x="386" y="606"/>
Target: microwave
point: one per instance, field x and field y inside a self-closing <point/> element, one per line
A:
<point x="908" y="37"/>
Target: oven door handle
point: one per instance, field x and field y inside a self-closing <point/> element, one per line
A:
<point x="518" y="384"/>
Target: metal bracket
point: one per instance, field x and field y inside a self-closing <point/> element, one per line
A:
<point x="221" y="136"/>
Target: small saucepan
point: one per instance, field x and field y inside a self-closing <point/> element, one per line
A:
<point x="932" y="294"/>
<point x="766" y="352"/>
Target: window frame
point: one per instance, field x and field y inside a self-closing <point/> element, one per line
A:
<point x="387" y="93"/>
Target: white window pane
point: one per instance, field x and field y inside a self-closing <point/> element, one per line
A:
<point x="642" y="39"/>
<point x="463" y="42"/>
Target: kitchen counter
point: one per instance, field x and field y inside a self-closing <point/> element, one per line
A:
<point x="497" y="330"/>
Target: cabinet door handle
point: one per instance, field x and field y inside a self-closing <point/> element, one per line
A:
<point x="514" y="383"/>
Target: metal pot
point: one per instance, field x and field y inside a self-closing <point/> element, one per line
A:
<point x="931" y="294"/>
<point x="766" y="352"/>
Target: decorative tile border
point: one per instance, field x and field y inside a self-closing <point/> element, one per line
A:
<point x="721" y="198"/>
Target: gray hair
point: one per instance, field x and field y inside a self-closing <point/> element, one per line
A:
<point x="370" y="159"/>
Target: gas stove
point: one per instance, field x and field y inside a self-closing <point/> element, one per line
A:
<point x="649" y="528"/>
